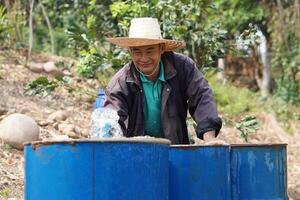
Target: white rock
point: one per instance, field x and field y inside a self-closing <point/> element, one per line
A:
<point x="50" y="68"/>
<point x="60" y="137"/>
<point x="72" y="135"/>
<point x="65" y="128"/>
<point x="67" y="72"/>
<point x="68" y="129"/>
<point x="17" y="129"/>
<point x="85" y="133"/>
<point x="77" y="130"/>
<point x="36" y="67"/>
<point x="59" y="115"/>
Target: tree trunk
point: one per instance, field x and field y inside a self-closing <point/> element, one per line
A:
<point x="30" y="31"/>
<point x="221" y="73"/>
<point x="49" y="27"/>
<point x="266" y="84"/>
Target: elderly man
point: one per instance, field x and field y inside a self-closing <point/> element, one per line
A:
<point x="153" y="92"/>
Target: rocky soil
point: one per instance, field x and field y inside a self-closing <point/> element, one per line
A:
<point x="62" y="115"/>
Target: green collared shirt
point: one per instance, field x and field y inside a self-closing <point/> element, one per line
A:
<point x="152" y="104"/>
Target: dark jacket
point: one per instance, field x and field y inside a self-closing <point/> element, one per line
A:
<point x="185" y="88"/>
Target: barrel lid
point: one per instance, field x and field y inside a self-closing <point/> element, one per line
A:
<point x="139" y="139"/>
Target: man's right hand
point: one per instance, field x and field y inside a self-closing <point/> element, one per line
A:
<point x="212" y="142"/>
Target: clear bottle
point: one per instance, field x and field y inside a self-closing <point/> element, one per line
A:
<point x="104" y="123"/>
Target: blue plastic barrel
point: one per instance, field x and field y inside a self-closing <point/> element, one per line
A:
<point x="106" y="169"/>
<point x="199" y="172"/>
<point x="259" y="172"/>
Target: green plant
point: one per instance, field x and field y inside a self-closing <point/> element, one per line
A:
<point x="93" y="62"/>
<point x="182" y="20"/>
<point x="3" y="24"/>
<point x="247" y="126"/>
<point x="5" y="192"/>
<point x="43" y="86"/>
<point x="230" y="99"/>
<point x="285" y="35"/>
<point x="6" y="147"/>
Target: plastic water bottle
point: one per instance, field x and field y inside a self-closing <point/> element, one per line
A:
<point x="99" y="103"/>
<point x="105" y="124"/>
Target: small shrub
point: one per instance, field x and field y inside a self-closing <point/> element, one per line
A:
<point x="230" y="99"/>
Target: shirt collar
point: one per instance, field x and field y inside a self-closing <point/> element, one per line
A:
<point x="161" y="76"/>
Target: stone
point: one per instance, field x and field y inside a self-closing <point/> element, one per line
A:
<point x="77" y="130"/>
<point x="36" y="67"/>
<point x="69" y="130"/>
<point x="67" y="72"/>
<point x="72" y="134"/>
<point x="3" y="111"/>
<point x="55" y="125"/>
<point x="60" y="137"/>
<point x="50" y="68"/>
<point x="65" y="128"/>
<point x="17" y="129"/>
<point x="57" y="116"/>
<point x="85" y="133"/>
<point x="43" y="123"/>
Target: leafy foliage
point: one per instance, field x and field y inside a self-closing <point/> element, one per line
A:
<point x="286" y="48"/>
<point x="3" y="23"/>
<point x="231" y="100"/>
<point x="41" y="86"/>
<point x="208" y="27"/>
<point x="236" y="15"/>
<point x="247" y="126"/>
<point x="5" y="193"/>
<point x="180" y="20"/>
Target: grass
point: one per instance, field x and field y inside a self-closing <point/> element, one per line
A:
<point x="232" y="100"/>
<point x="235" y="103"/>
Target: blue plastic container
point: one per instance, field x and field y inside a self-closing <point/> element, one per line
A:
<point x="258" y="172"/>
<point x="106" y="169"/>
<point x="199" y="172"/>
<point x="100" y="99"/>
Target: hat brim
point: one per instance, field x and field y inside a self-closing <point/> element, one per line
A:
<point x="126" y="42"/>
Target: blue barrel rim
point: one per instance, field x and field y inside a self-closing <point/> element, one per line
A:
<point x="191" y="146"/>
<point x="138" y="140"/>
<point x="259" y="145"/>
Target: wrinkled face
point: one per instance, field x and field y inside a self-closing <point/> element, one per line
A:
<point x="146" y="58"/>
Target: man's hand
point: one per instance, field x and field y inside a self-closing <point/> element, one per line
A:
<point x="210" y="139"/>
<point x="209" y="136"/>
<point x="215" y="141"/>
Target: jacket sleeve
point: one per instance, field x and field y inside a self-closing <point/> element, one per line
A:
<point x="200" y="101"/>
<point x="116" y="100"/>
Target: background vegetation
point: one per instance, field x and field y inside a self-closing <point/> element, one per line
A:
<point x="213" y="30"/>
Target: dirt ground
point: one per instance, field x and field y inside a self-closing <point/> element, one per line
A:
<point x="13" y="79"/>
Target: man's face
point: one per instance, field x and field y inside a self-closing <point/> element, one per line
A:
<point x="146" y="58"/>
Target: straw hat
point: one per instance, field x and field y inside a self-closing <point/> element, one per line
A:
<point x="143" y="32"/>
